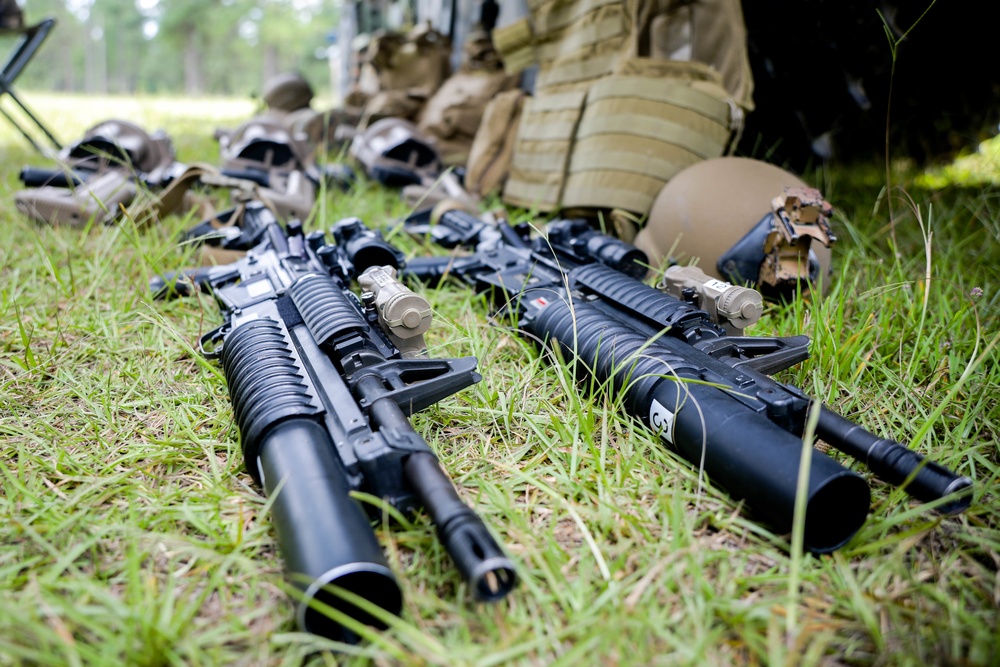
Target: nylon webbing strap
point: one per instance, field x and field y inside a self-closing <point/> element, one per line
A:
<point x="658" y="129"/>
<point x="555" y="101"/>
<point x="608" y="115"/>
<point x="554" y="129"/>
<point x="670" y="92"/>
<point x="577" y="38"/>
<point x="662" y="163"/>
<point x="529" y="193"/>
<point x="606" y="189"/>
<point x="550" y="17"/>
<point x="577" y="70"/>
<point x="612" y="115"/>
<point x="552" y="160"/>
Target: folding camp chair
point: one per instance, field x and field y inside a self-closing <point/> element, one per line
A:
<point x="29" y="40"/>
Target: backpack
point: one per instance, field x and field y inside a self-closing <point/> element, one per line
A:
<point x="453" y="114"/>
<point x="400" y="72"/>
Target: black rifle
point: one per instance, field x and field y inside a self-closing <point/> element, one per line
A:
<point x="321" y="392"/>
<point x="704" y="391"/>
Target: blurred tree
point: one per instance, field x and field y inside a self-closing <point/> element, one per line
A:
<point x="117" y="42"/>
<point x="59" y="64"/>
<point x="291" y="33"/>
<point x="226" y="47"/>
<point x="188" y="26"/>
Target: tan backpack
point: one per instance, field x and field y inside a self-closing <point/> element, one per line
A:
<point x="628" y="94"/>
<point x="453" y="115"/>
<point x="408" y="68"/>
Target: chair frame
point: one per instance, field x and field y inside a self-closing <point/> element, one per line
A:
<point x="30" y="39"/>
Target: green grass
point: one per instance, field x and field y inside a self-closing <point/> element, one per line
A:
<point x="133" y="536"/>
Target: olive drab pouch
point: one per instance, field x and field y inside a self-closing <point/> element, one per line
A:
<point x="493" y="147"/>
<point x="627" y="95"/>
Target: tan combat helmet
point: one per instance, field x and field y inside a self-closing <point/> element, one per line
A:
<point x="287" y="92"/>
<point x="746" y="222"/>
<point x="394" y="152"/>
<point x="119" y="144"/>
<point x="109" y="161"/>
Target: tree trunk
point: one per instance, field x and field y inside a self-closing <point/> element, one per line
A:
<point x="194" y="76"/>
<point x="271" y="61"/>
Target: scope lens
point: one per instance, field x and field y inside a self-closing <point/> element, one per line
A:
<point x="623" y="257"/>
<point x="373" y="253"/>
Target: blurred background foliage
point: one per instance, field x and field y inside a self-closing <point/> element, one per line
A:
<point x="196" y="47"/>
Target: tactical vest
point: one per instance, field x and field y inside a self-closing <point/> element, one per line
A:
<point x="628" y="93"/>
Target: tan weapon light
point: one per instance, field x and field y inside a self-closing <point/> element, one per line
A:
<point x="730" y="306"/>
<point x="405" y="315"/>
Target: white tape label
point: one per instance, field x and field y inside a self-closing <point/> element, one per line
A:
<point x="258" y="287"/>
<point x="717" y="285"/>
<point x="662" y="421"/>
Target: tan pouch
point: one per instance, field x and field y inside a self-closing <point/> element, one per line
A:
<point x="493" y="147"/>
<point x="515" y="43"/>
<point x="453" y="116"/>
<point x="412" y="66"/>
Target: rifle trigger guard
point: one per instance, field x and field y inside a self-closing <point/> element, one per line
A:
<point x="209" y="344"/>
<point x="766" y="355"/>
<point x="414" y="384"/>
